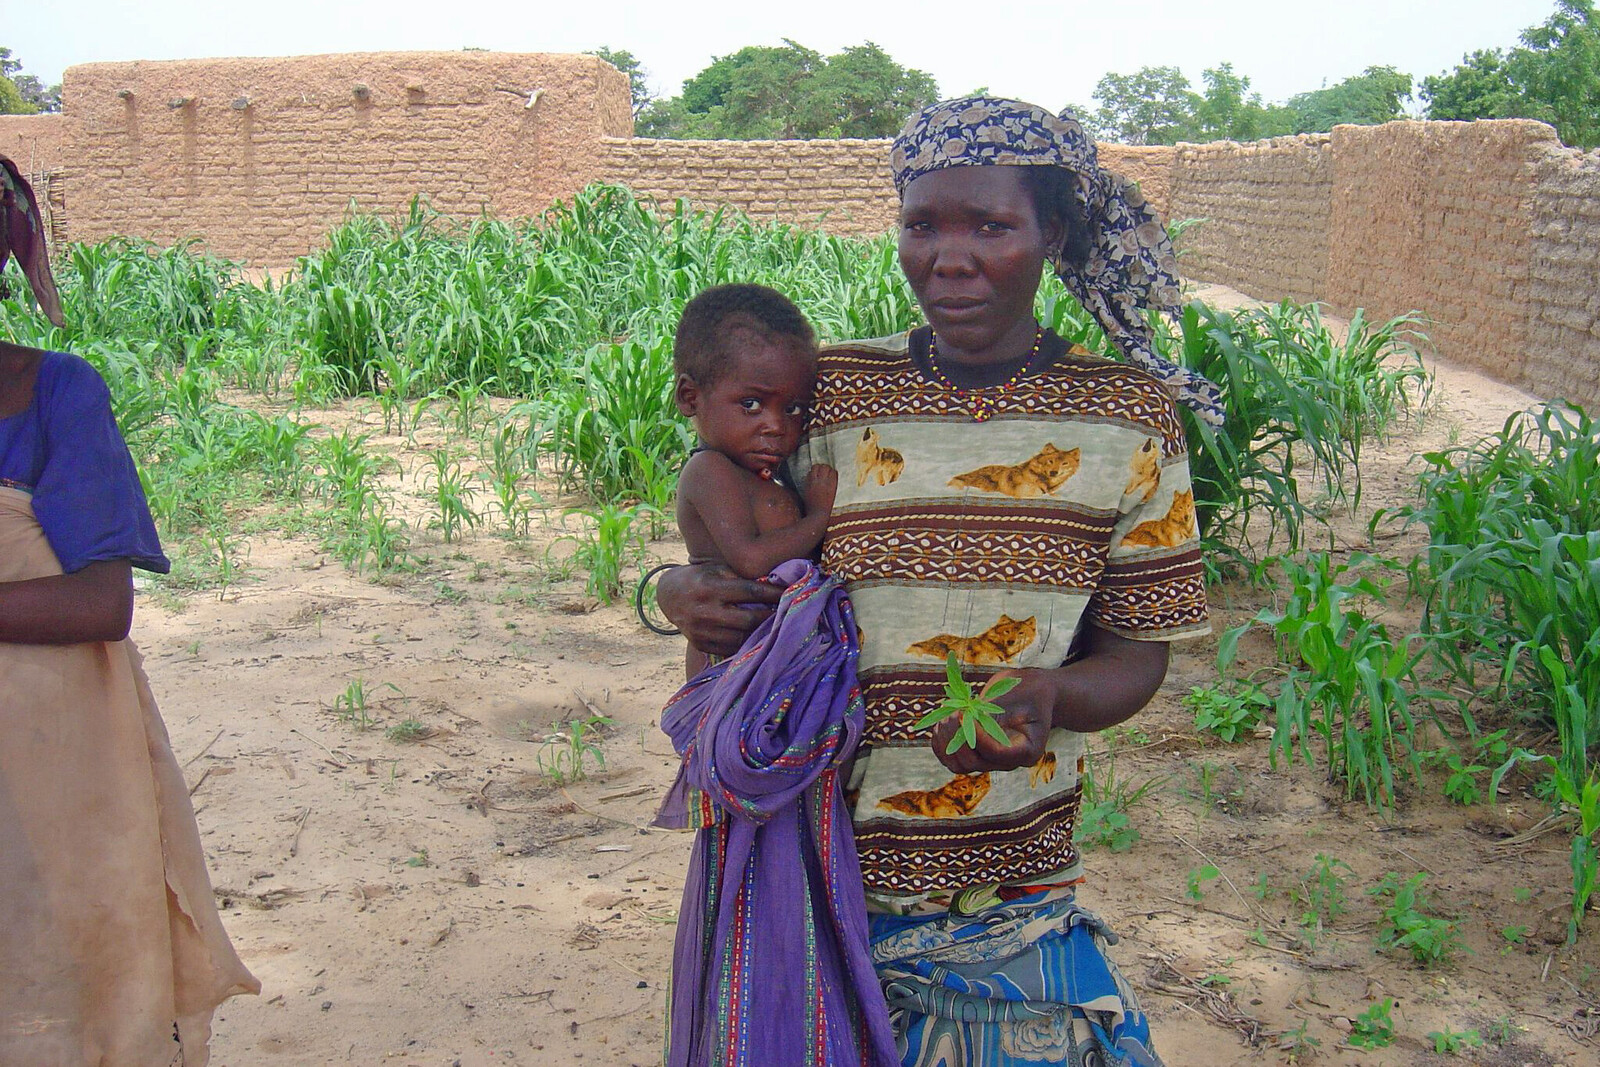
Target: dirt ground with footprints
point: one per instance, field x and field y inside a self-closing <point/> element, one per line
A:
<point x="456" y="893"/>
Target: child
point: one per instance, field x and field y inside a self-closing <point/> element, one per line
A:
<point x="770" y="962"/>
<point x="111" y="951"/>
<point x="746" y="359"/>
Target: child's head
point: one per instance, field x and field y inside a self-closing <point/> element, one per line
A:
<point x="746" y="359"/>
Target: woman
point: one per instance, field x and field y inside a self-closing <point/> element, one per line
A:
<point x="1029" y="509"/>
<point x="111" y="950"/>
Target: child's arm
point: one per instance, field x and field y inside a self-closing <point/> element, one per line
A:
<point x="93" y="604"/>
<point x="716" y="491"/>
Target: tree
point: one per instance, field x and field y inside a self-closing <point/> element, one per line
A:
<point x="623" y="60"/>
<point x="1553" y="77"/>
<point x="24" y="94"/>
<point x="1372" y="97"/>
<point x="791" y="92"/>
<point x="867" y="94"/>
<point x="1558" y="71"/>
<point x="1479" y="88"/>
<point x="1151" y="106"/>
<point x="1227" y="110"/>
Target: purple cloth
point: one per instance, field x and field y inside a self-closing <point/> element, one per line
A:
<point x="770" y="967"/>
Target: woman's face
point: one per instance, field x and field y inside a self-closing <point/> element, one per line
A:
<point x="972" y="248"/>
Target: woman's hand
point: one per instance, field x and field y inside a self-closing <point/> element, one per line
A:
<point x="714" y="607"/>
<point x="1029" y="714"/>
<point x="1109" y="683"/>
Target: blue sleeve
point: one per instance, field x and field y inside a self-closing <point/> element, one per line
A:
<point x="88" y="498"/>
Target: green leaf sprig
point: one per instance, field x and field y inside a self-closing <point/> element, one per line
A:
<point x="976" y="710"/>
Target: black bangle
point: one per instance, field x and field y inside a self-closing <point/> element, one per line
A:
<point x="638" y="602"/>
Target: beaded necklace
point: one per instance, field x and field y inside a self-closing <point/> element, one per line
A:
<point x="982" y="407"/>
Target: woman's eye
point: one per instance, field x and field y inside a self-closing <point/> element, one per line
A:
<point x="995" y="227"/>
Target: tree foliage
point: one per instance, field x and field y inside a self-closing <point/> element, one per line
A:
<point x="1554" y="77"/>
<point x="1153" y="105"/>
<point x="24" y="94"/>
<point x="790" y="92"/>
<point x="1374" y="96"/>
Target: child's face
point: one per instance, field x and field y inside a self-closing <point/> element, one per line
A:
<point x="754" y="411"/>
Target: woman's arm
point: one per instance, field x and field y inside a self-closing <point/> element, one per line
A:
<point x="714" y="607"/>
<point x="93" y="604"/>
<point x="1110" y="683"/>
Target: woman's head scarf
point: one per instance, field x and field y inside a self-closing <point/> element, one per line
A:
<point x="1131" y="263"/>
<point x="22" y="235"/>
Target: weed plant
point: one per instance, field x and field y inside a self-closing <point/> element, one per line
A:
<point x="1103" y="819"/>
<point x="1406" y="922"/>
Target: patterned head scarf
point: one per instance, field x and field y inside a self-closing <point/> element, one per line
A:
<point x="1131" y="263"/>
<point x="22" y="235"/>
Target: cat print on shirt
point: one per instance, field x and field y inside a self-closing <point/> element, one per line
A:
<point x="1146" y="471"/>
<point x="1000" y="643"/>
<point x="876" y="462"/>
<point x="1170" y="531"/>
<point x="957" y="797"/>
<point x="1042" y="772"/>
<point x="1040" y="475"/>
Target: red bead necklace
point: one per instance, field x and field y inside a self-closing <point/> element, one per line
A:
<point x="981" y="406"/>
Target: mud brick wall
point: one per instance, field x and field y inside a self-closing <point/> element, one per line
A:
<point x="1267" y="209"/>
<point x="842" y="186"/>
<point x="38" y="145"/>
<point x="1148" y="165"/>
<point x="260" y="158"/>
<point x="1433" y="216"/>
<point x="1563" y="295"/>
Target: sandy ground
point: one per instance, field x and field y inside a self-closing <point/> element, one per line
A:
<point x="448" y="901"/>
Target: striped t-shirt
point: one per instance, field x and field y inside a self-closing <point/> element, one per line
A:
<point x="997" y="540"/>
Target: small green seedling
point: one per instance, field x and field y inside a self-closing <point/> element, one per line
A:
<point x="1373" y="1028"/>
<point x="1452" y="1042"/>
<point x="976" y="712"/>
<point x="1198" y="876"/>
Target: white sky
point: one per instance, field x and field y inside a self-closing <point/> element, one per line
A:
<point x="1051" y="53"/>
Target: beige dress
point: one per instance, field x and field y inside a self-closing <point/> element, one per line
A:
<point x="111" y="950"/>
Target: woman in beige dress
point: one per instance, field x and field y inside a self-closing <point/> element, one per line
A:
<point x="111" y="950"/>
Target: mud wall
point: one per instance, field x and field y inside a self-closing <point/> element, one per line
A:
<point x="1435" y="216"/>
<point x="1490" y="230"/>
<point x="843" y="186"/>
<point x="1563" y="294"/>
<point x="1266" y="209"/>
<point x="260" y="158"/>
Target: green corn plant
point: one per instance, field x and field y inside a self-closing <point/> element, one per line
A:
<point x="1581" y="798"/>
<point x="1346" y="679"/>
<point x="1249" y="470"/>
<point x="452" y="497"/>
<point x="608" y="544"/>
<point x="1511" y="576"/>
<point x="507" y="462"/>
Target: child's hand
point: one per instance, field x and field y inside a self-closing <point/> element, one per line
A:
<point x="822" y="482"/>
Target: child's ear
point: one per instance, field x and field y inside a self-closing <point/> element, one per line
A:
<point x="686" y="395"/>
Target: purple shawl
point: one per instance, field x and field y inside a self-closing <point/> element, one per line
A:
<point x="770" y="966"/>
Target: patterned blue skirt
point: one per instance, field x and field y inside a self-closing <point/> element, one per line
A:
<point x="1023" y="984"/>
